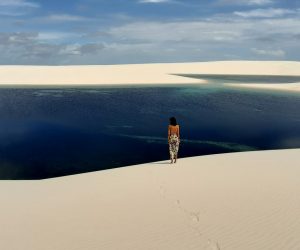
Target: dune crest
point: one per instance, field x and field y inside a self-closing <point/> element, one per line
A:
<point x="155" y="73"/>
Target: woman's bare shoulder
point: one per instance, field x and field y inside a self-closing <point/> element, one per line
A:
<point x="173" y="126"/>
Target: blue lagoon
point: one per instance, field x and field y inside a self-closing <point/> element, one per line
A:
<point x="55" y="131"/>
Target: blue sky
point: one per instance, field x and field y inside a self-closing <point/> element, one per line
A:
<point x="147" y="31"/>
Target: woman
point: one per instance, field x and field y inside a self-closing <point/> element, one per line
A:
<point x="173" y="139"/>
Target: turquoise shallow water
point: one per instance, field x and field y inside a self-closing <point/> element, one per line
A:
<point x="49" y="132"/>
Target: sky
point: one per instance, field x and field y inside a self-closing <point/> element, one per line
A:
<point x="88" y="32"/>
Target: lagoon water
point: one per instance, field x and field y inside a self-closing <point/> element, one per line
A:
<point x="52" y="131"/>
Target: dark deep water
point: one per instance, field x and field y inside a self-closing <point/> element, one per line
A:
<point x="61" y="131"/>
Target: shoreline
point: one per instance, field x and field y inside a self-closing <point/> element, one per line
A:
<point x="82" y="86"/>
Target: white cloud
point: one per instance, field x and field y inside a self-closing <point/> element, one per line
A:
<point x="16" y="7"/>
<point x="245" y="2"/>
<point x="177" y="31"/>
<point x="65" y="18"/>
<point x="257" y="2"/>
<point x="230" y="30"/>
<point x="276" y="53"/>
<point x="56" y="36"/>
<point x="214" y="38"/>
<point x="264" y="13"/>
<point x="18" y="3"/>
<point x="154" y="1"/>
<point x="28" y="48"/>
<point x="70" y="49"/>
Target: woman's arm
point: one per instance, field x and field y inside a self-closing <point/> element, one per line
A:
<point x="178" y="134"/>
<point x="169" y="133"/>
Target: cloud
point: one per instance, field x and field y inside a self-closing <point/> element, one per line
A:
<point x="193" y="31"/>
<point x="56" y="36"/>
<point x="276" y="53"/>
<point x="7" y="39"/>
<point x="218" y="37"/>
<point x="212" y="38"/>
<point x="27" y="48"/>
<point x="17" y="7"/>
<point x="245" y="2"/>
<point x="18" y="3"/>
<point x="91" y="48"/>
<point x="264" y="13"/>
<point x="78" y="49"/>
<point x="64" y="18"/>
<point x="154" y="1"/>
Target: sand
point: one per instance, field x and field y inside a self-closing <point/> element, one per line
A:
<point x="156" y="73"/>
<point x="233" y="201"/>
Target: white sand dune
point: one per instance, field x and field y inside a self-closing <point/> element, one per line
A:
<point x="156" y="73"/>
<point x="235" y="201"/>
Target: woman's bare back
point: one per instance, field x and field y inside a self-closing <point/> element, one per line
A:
<point x="174" y="130"/>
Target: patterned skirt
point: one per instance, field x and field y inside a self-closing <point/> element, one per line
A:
<point x="173" y="145"/>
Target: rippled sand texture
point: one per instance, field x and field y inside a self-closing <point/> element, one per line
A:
<point x="232" y="201"/>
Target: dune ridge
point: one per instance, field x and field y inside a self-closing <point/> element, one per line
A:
<point x="155" y="73"/>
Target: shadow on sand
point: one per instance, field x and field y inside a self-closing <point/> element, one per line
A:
<point x="165" y="162"/>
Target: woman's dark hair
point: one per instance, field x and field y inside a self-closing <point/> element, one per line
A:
<point x="173" y="121"/>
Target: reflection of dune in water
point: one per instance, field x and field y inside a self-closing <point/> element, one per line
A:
<point x="225" y="145"/>
<point x="263" y="79"/>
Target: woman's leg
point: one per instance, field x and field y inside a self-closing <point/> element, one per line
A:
<point x="171" y="153"/>
<point x="171" y="158"/>
<point x="173" y="147"/>
<point x="176" y="152"/>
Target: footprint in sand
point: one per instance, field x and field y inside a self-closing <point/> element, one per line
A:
<point x="162" y="191"/>
<point x="213" y="245"/>
<point x="195" y="217"/>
